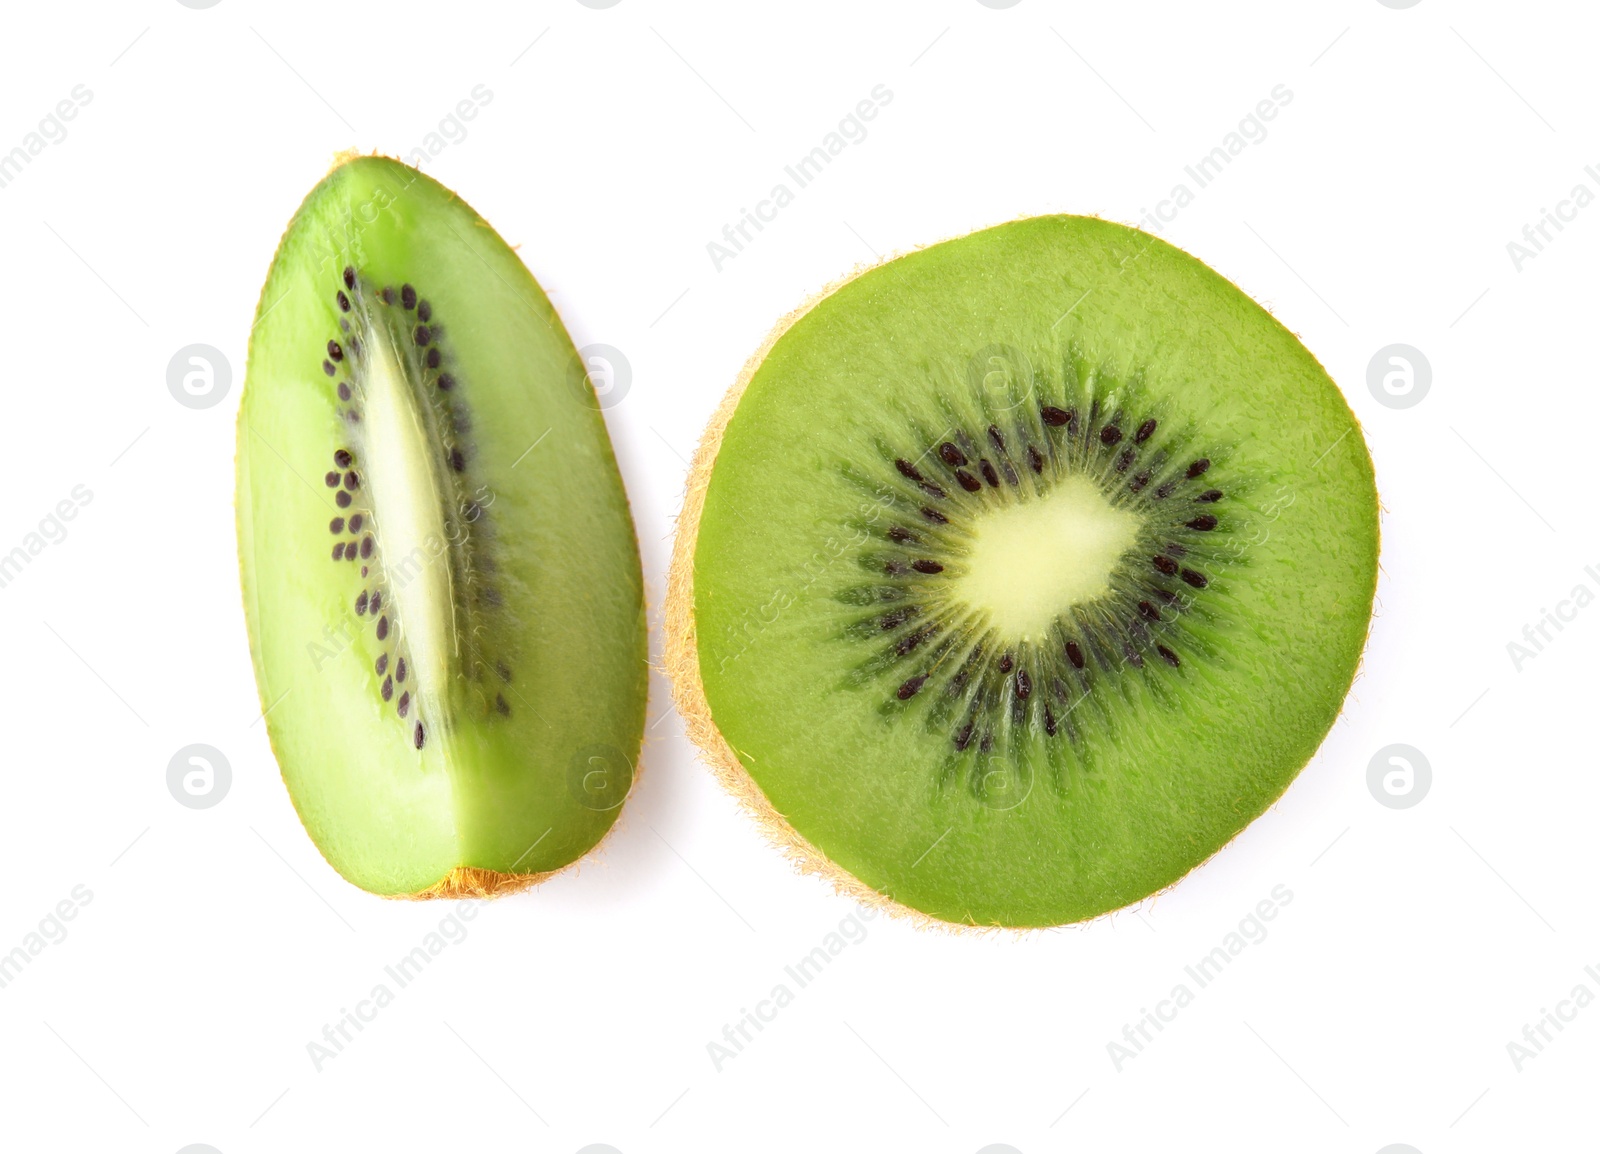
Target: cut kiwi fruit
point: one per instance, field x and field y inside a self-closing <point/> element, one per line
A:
<point x="441" y="580"/>
<point x="1018" y="574"/>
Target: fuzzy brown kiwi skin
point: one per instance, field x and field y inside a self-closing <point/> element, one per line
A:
<point x="681" y="660"/>
<point x="461" y="881"/>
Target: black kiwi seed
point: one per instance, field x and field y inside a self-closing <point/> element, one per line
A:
<point x="1049" y="722"/>
<point x="342" y="458"/>
<point x="1139" y="482"/>
<point x="366" y="548"/>
<point x="1024" y="685"/>
<point x="408" y="297"/>
<point x="344" y="301"/>
<point x="1164" y="490"/>
<point x="383" y="630"/>
<point x="989" y="474"/>
<point x="418" y="736"/>
<point x="377" y="600"/>
<point x="894" y="620"/>
<point x="910" y="686"/>
<point x="424" y="311"/>
<point x="342" y="499"/>
<point x="388" y="688"/>
<point x="500" y="705"/>
<point x="1124" y="459"/>
<point x="927" y="566"/>
<point x="1210" y="495"/>
<point x="349" y="278"/>
<point x="433" y="358"/>
<point x="386" y="295"/>
<point x="995" y="437"/>
<point x="361" y="604"/>
<point x="382" y="663"/>
<point x="405" y="703"/>
<point x="1035" y="459"/>
<point x="1075" y="655"/>
<point x="934" y="515"/>
<point x="344" y="391"/>
<point x="1011" y="474"/>
<point x="1197" y="468"/>
<point x="1165" y="564"/>
<point x="1055" y="417"/>
<point x="899" y="534"/>
<point x="1144" y="432"/>
<point x="1168" y="656"/>
<point x="331" y="480"/>
<point x="355" y="523"/>
<point x="446" y="382"/>
<point x="400" y="670"/>
<point x="351" y="481"/>
<point x="1110" y="435"/>
<point x="421" y="335"/>
<point x="335" y="353"/>
<point x="1197" y="580"/>
<point x="908" y="470"/>
<point x="336" y="525"/>
<point x="1006" y="663"/>
<point x="1149" y="612"/>
<point x="327" y="367"/>
<point x="968" y="482"/>
<point x="963" y="737"/>
<point x="951" y="455"/>
<point x="1204" y="523"/>
<point x="458" y="460"/>
<point x="338" y="551"/>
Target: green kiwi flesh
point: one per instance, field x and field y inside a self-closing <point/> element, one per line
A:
<point x="441" y="581"/>
<point x="1031" y="567"/>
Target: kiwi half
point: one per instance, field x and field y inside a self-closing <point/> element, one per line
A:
<point x="1018" y="574"/>
<point x="441" y="580"/>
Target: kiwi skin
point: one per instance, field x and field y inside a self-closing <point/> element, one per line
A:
<point x="682" y="664"/>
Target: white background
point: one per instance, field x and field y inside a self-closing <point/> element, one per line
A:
<point x="217" y="943"/>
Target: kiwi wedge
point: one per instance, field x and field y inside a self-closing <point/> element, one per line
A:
<point x="1018" y="574"/>
<point x="441" y="582"/>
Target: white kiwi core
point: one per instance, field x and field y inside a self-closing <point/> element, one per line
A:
<point x="409" y="514"/>
<point x="1031" y="561"/>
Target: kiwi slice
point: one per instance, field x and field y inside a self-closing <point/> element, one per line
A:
<point x="441" y="581"/>
<point x="1018" y="574"/>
